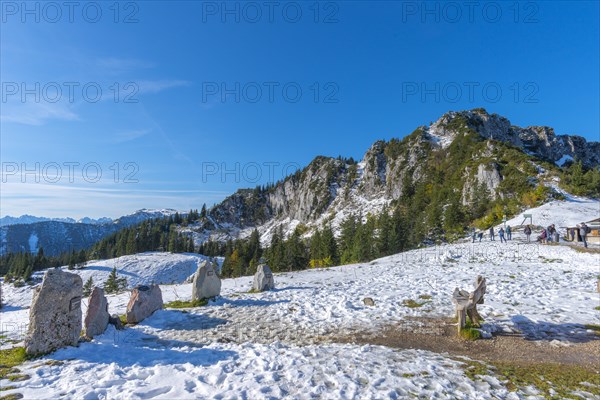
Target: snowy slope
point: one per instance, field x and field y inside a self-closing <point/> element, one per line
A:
<point x="145" y="268"/>
<point x="562" y="213"/>
<point x="544" y="292"/>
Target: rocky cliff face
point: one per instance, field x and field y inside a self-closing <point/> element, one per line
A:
<point x="540" y="141"/>
<point x="328" y="189"/>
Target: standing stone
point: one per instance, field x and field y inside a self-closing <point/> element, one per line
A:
<point x="143" y="302"/>
<point x="55" y="313"/>
<point x="96" y="318"/>
<point x="263" y="279"/>
<point x="206" y="283"/>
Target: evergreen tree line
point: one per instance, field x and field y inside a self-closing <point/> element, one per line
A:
<point x="579" y="181"/>
<point x="360" y="240"/>
<point x="20" y="266"/>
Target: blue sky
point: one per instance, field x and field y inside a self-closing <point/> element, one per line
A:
<point x="365" y="71"/>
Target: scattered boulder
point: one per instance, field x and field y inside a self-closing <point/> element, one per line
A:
<point x="143" y="302"/>
<point x="369" y="301"/>
<point x="55" y="313"/>
<point x="116" y="321"/>
<point x="263" y="279"/>
<point x="96" y="318"/>
<point x="206" y="283"/>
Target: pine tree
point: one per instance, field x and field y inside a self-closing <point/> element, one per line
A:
<point x="329" y="248"/>
<point x="88" y="286"/>
<point x="114" y="283"/>
<point x="203" y="211"/>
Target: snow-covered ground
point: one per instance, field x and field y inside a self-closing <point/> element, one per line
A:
<point x="282" y="343"/>
<point x="271" y="347"/>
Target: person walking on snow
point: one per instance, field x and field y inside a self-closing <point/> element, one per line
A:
<point x="474" y="235"/>
<point x="549" y="233"/>
<point x="492" y="233"/>
<point x="480" y="236"/>
<point x="508" y="233"/>
<point x="501" y="234"/>
<point x="527" y="232"/>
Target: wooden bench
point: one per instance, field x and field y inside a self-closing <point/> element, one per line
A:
<point x="466" y="303"/>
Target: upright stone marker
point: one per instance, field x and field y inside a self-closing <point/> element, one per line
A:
<point x="55" y="314"/>
<point x="206" y="283"/>
<point x="143" y="302"/>
<point x="96" y="318"/>
<point x="263" y="279"/>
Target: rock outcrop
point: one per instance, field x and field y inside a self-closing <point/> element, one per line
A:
<point x="206" y="283"/>
<point x="96" y="317"/>
<point x="143" y="302"/>
<point x="55" y="314"/>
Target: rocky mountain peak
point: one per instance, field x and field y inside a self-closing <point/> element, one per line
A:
<point x="540" y="141"/>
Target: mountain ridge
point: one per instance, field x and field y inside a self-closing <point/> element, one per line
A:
<point x="328" y="186"/>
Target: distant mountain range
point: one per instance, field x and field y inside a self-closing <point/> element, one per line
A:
<point x="31" y="219"/>
<point x="28" y="233"/>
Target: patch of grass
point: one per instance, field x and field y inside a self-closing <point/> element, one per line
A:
<point x="412" y="304"/>
<point x="593" y="327"/>
<point x="512" y="276"/>
<point x="186" y="304"/>
<point x="18" y="377"/>
<point x="12" y="396"/>
<point x="9" y="359"/>
<point x="54" y="363"/>
<point x="553" y="381"/>
<point x="3" y="388"/>
<point x="408" y="375"/>
<point x="597" y="308"/>
<point x="470" y="334"/>
<point x="425" y="297"/>
<point x="584" y="250"/>
<point x="123" y="319"/>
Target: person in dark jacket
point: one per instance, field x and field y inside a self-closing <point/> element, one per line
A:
<point x="480" y="236"/>
<point x="508" y="232"/>
<point x="527" y="232"/>
<point x="501" y="234"/>
<point x="549" y="233"/>
<point x="583" y="231"/>
<point x="492" y="236"/>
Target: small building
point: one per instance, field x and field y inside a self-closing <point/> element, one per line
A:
<point x="594" y="235"/>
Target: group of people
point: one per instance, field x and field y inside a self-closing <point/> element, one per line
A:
<point x="503" y="234"/>
<point x="583" y="232"/>
<point x="547" y="235"/>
